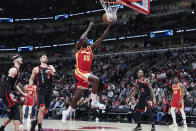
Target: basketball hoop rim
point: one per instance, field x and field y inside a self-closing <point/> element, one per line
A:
<point x="110" y="2"/>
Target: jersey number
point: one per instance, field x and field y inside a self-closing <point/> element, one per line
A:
<point x="30" y="92"/>
<point x="86" y="57"/>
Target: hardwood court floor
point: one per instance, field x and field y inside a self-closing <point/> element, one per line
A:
<point x="57" y="125"/>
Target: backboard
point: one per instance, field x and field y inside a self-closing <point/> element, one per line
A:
<point x="142" y="6"/>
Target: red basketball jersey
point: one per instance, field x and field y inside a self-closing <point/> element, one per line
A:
<point x="177" y="92"/>
<point x="30" y="91"/>
<point x="84" y="58"/>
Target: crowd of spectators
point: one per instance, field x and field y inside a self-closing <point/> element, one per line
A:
<point x="118" y="84"/>
<point x="47" y="34"/>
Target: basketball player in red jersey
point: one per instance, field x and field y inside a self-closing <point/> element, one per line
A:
<point x="44" y="74"/>
<point x="31" y="91"/>
<point x="177" y="102"/>
<point x="84" y="58"/>
<point x="11" y="92"/>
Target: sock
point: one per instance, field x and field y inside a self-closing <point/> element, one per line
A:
<point x="183" y="115"/>
<point x="39" y="126"/>
<point x="93" y="97"/>
<point x="173" y="115"/>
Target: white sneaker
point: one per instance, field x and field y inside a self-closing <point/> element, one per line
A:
<point x="65" y="114"/>
<point x="184" y="126"/>
<point x="173" y="126"/>
<point x="97" y="105"/>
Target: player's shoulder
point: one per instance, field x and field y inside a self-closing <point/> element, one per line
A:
<point x="13" y="69"/>
<point x="51" y="66"/>
<point x="36" y="69"/>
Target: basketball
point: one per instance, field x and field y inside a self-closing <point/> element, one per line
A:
<point x="108" y="18"/>
<point x="104" y="18"/>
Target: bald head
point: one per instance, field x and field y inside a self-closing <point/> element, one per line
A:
<point x="140" y="74"/>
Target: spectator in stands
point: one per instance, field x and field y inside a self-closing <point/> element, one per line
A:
<point x="163" y="108"/>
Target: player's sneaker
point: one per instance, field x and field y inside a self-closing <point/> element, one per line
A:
<point x="97" y="105"/>
<point x="184" y="126"/>
<point x="65" y="116"/>
<point x="33" y="125"/>
<point x="40" y="129"/>
<point x="173" y="126"/>
<point x="138" y="128"/>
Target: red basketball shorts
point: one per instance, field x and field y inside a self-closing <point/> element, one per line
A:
<point x="175" y="103"/>
<point x="82" y="77"/>
<point x="30" y="101"/>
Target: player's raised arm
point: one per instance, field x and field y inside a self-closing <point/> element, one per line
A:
<point x="151" y="91"/>
<point x="100" y="39"/>
<point x="34" y="72"/>
<point x="84" y="35"/>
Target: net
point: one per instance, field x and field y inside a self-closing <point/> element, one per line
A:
<point x="111" y="7"/>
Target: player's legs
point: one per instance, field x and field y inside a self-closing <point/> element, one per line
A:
<point x="183" y="117"/>
<point x="95" y="83"/>
<point x="24" y="108"/>
<point x="173" y="114"/>
<point x="16" y="117"/>
<point x="40" y="116"/>
<point x="78" y="95"/>
<point x="16" y="125"/>
<point x="140" y="107"/>
<point x="151" y="112"/>
<point x="41" y="110"/>
<point x="5" y="123"/>
<point x="29" y="112"/>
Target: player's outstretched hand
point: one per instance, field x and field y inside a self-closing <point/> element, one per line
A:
<point x="91" y="23"/>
